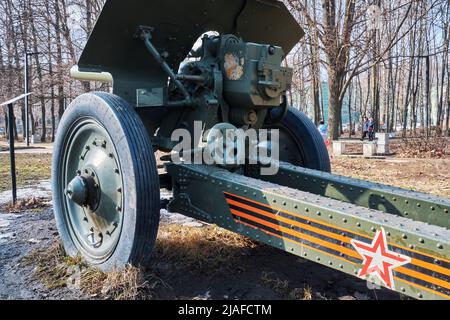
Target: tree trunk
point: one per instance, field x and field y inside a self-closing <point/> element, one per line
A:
<point x="334" y="105"/>
<point x="59" y="60"/>
<point x="39" y="74"/>
<point x="350" y="88"/>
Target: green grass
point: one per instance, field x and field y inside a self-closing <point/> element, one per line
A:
<point x="30" y="169"/>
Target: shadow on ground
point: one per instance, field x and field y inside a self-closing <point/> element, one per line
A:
<point x="190" y="262"/>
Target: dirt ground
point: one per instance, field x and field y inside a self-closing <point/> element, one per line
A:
<point x="193" y="260"/>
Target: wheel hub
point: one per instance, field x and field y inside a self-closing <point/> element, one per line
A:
<point x="76" y="191"/>
<point x="84" y="191"/>
<point x="93" y="190"/>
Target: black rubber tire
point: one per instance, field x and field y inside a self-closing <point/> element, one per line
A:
<point x="141" y="193"/>
<point x="312" y="152"/>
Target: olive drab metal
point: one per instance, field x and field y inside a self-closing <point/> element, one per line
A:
<point x="220" y="63"/>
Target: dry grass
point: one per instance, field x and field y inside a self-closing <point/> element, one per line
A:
<point x="30" y="169"/>
<point x="307" y="293"/>
<point x="431" y="175"/>
<point x="34" y="204"/>
<point x="283" y="288"/>
<point x="424" y="147"/>
<point x="51" y="265"/>
<point x="57" y="270"/>
<point x="130" y="283"/>
<point x="209" y="248"/>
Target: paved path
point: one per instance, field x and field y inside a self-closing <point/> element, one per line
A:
<point x="21" y="147"/>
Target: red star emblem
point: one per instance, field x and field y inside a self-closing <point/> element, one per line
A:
<point x="378" y="260"/>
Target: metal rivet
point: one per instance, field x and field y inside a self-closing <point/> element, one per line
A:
<point x="118" y="208"/>
<point x="404" y="236"/>
<point x="421" y="240"/>
<point x="440" y="246"/>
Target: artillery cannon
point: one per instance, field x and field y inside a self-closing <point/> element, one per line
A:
<point x="106" y="183"/>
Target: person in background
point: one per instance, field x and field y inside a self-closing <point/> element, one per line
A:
<point x="365" y="128"/>
<point x="323" y="129"/>
<point x="371" y="129"/>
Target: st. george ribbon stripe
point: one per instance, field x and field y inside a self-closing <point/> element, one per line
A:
<point x="442" y="263"/>
<point x="296" y="228"/>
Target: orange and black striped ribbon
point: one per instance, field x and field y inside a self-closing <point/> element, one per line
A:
<point x="425" y="271"/>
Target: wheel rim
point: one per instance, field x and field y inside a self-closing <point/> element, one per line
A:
<point x="92" y="184"/>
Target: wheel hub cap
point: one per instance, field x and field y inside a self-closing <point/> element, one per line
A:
<point x="77" y="191"/>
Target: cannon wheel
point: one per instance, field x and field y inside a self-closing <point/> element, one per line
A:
<point x="301" y="143"/>
<point x="105" y="183"/>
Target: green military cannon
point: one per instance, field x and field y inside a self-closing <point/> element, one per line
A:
<point x="207" y="67"/>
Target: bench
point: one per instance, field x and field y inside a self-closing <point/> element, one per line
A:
<point x="380" y="146"/>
